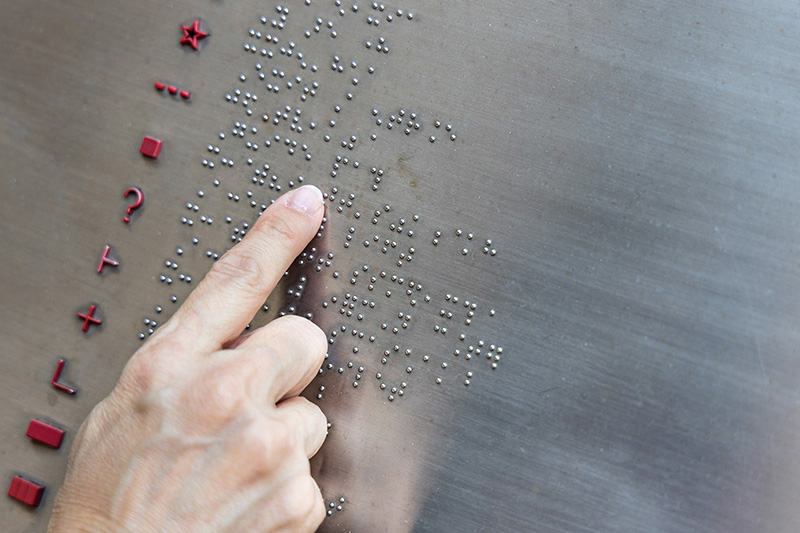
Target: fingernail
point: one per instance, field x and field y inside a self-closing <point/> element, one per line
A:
<point x="307" y="199"/>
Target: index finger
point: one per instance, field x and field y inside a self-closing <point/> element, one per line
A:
<point x="236" y="286"/>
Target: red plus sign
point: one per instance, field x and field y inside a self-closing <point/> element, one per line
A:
<point x="89" y="318"/>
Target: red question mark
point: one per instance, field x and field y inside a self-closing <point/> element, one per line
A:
<point x="136" y="205"/>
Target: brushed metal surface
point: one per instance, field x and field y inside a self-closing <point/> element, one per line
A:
<point x="635" y="166"/>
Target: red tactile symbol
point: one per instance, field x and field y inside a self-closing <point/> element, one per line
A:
<point x="151" y="147"/>
<point x="137" y="192"/>
<point x="192" y="34"/>
<point x="89" y="319"/>
<point x="57" y="376"/>
<point x="104" y="260"/>
<point x="160" y="86"/>
<point x="26" y="491"/>
<point x="45" y="433"/>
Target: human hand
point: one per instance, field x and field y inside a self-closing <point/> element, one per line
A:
<point x="205" y="430"/>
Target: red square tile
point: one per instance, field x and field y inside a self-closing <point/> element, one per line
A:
<point x="151" y="147"/>
<point x="45" y="433"/>
<point x="26" y="491"/>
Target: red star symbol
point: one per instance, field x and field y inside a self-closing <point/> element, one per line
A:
<point x="192" y="34"/>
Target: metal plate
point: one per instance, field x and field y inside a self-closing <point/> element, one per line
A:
<point x="634" y="166"/>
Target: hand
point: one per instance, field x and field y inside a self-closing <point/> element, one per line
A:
<point x="205" y="430"/>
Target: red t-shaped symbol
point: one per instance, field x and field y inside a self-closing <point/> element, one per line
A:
<point x="104" y="260"/>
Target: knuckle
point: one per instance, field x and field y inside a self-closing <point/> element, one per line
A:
<point x="237" y="267"/>
<point x="141" y="374"/>
<point x="278" y="229"/>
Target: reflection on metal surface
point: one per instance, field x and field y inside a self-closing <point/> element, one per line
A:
<point x="559" y="268"/>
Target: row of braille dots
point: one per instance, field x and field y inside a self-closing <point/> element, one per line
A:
<point x="308" y="257"/>
<point x="398" y="118"/>
<point x="409" y="125"/>
<point x="349" y="304"/>
<point x="398" y="227"/>
<point x="386" y="244"/>
<point x="448" y="315"/>
<point x="338" y="65"/>
<point x="240" y="129"/>
<point x="340" y="370"/>
<point x="340" y="161"/>
<point x="490" y="354"/>
<point x="409" y="292"/>
<point x="389" y="14"/>
<point x="279" y="77"/>
<point x="408" y="352"/>
<point x="486" y="248"/>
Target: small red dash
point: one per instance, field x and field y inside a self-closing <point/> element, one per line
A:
<point x="172" y="89"/>
<point x="151" y="147"/>
<point x="45" y="433"/>
<point x="186" y="94"/>
<point x="158" y="85"/>
<point x="26" y="491"/>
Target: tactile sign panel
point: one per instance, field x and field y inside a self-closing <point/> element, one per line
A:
<point x="559" y="291"/>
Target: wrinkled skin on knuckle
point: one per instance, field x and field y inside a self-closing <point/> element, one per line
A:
<point x="240" y="269"/>
<point x="141" y="375"/>
<point x="280" y="230"/>
<point x="150" y="368"/>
